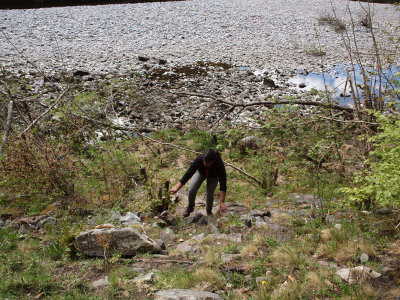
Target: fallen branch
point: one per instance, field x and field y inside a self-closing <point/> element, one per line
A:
<point x="346" y="121"/>
<point x="8" y="124"/>
<point x="282" y="102"/>
<point x="43" y="114"/>
<point x="267" y="103"/>
<point x="162" y="261"/>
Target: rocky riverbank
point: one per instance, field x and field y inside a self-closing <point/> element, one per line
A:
<point x="159" y="95"/>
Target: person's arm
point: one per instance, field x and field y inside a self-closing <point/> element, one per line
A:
<point x="189" y="173"/>
<point x="222" y="204"/>
<point x="222" y="187"/>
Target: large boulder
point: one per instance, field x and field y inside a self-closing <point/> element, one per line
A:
<point x="176" y="294"/>
<point x="128" y="241"/>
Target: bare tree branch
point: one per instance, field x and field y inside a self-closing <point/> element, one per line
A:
<point x="8" y="125"/>
<point x="45" y="113"/>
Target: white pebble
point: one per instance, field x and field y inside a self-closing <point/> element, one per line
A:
<point x="364" y="258"/>
<point x="338" y="226"/>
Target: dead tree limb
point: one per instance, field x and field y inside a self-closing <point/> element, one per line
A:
<point x="8" y="124"/>
<point x="43" y="114"/>
<point x="267" y="103"/>
<point x="282" y="102"/>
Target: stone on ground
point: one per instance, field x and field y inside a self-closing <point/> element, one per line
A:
<point x="357" y="274"/>
<point x="128" y="241"/>
<point x="101" y="282"/>
<point x="176" y="294"/>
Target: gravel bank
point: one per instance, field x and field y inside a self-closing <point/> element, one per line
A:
<point x="264" y="34"/>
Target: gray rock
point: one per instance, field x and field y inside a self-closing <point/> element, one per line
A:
<point x="128" y="241"/>
<point x="115" y="216"/>
<point x="160" y="244"/>
<point x="187" y="247"/>
<point x="137" y="269"/>
<point x="81" y="73"/>
<point x="236" y="208"/>
<point x="49" y="220"/>
<point x="1" y="223"/>
<point x="167" y="235"/>
<point x="268" y="82"/>
<point x="357" y="274"/>
<point x="259" y="213"/>
<point x="101" y="282"/>
<point x="227" y="258"/>
<point x="300" y="199"/>
<point x="247" y="220"/>
<point x="197" y="218"/>
<point x="148" y="278"/>
<point x="250" y="142"/>
<point x="218" y="238"/>
<point x="130" y="219"/>
<point x="176" y="294"/>
<point x="213" y="228"/>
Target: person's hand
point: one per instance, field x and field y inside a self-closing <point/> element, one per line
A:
<point x="223" y="207"/>
<point x="173" y="190"/>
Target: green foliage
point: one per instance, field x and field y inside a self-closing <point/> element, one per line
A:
<point x="379" y="183"/>
<point x="55" y="250"/>
<point x="32" y="275"/>
<point x="8" y="240"/>
<point x="315" y="51"/>
<point x="201" y="140"/>
<point x="174" y="278"/>
<point x="337" y="24"/>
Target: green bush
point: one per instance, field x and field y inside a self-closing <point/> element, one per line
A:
<point x="55" y="250"/>
<point x="379" y="183"/>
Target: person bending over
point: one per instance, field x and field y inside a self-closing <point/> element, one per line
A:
<point x="208" y="166"/>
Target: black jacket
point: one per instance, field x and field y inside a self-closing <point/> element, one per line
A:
<point x="216" y="170"/>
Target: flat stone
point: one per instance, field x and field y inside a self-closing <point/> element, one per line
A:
<point x="101" y="283"/>
<point x="197" y="218"/>
<point x="115" y="216"/>
<point x="217" y="238"/>
<point x="128" y="241"/>
<point x="188" y="246"/>
<point x="260" y="213"/>
<point x="236" y="208"/>
<point x="227" y="258"/>
<point x="176" y="294"/>
<point x="303" y="198"/>
<point x="357" y="274"/>
<point x="130" y="219"/>
<point x="147" y="278"/>
<point x="213" y="229"/>
<point x="49" y="220"/>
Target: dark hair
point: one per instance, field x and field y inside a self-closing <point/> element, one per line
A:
<point x="210" y="156"/>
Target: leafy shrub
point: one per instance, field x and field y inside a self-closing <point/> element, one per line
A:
<point x="8" y="240"/>
<point x="379" y="183"/>
<point x="337" y="24"/>
<point x="55" y="250"/>
<point x="201" y="140"/>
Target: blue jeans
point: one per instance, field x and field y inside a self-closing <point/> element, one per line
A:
<point x="194" y="186"/>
